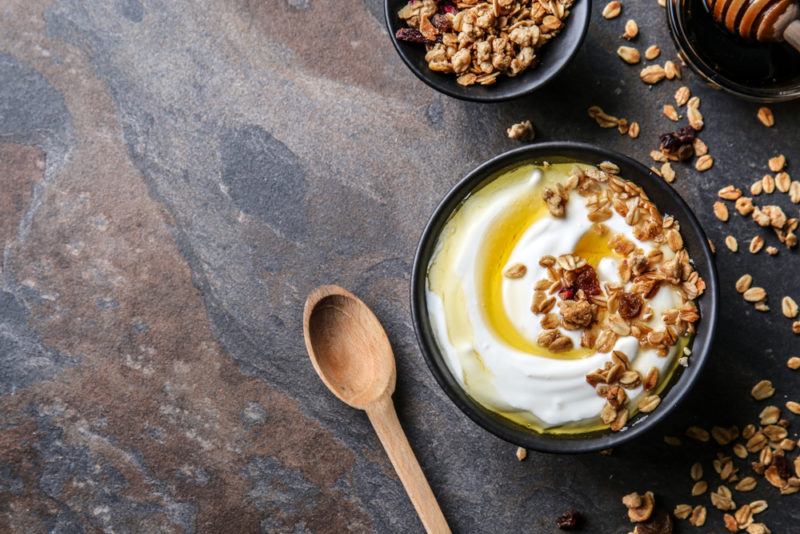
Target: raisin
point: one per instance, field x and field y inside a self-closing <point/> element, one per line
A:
<point x="630" y="306"/>
<point x="679" y="143"/>
<point x="782" y="465"/>
<point x="410" y="35"/>
<point x="686" y="134"/>
<point x="569" y="520"/>
<point x="586" y="280"/>
<point x="442" y="23"/>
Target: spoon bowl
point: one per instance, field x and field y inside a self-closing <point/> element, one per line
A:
<point x="352" y="355"/>
<point x="348" y="347"/>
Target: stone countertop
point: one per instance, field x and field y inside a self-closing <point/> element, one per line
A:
<point x="177" y="175"/>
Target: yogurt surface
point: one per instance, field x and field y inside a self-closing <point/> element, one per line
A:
<point x="483" y="322"/>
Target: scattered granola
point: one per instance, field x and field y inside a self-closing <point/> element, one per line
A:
<point x="631" y="30"/>
<point x="682" y="95"/>
<point x="652" y="52"/>
<point x="789" y="307"/>
<point x="640" y="507"/>
<point x="777" y="163"/>
<point x="704" y="163"/>
<point x="479" y="40"/>
<point x="612" y="10"/>
<point x="762" y="390"/>
<point x="756" y="244"/>
<point x="720" y="211"/>
<point x="629" y="54"/>
<point x="731" y="243"/>
<point x="670" y="112"/>
<point x="652" y="74"/>
<point x="672" y="70"/>
<point x="521" y="453"/>
<point x="766" y="117"/>
<point x="521" y="131"/>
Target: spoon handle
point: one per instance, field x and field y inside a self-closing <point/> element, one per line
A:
<point x="383" y="417"/>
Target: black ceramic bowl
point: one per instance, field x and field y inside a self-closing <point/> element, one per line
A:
<point x="554" y="56"/>
<point x="668" y="202"/>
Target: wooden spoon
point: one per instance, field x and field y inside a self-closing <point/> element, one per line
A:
<point x="352" y="355"/>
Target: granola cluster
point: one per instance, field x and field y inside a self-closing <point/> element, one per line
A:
<point x="572" y="298"/>
<point x="479" y="40"/>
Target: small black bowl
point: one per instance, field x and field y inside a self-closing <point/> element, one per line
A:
<point x="554" y="56"/>
<point x="667" y="200"/>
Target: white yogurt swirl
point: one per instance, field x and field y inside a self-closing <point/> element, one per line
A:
<point x="540" y="390"/>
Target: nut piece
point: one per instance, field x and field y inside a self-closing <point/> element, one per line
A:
<point x="652" y="52"/>
<point x="704" y="162"/>
<point x="720" y="210"/>
<point x="629" y="55"/>
<point x="731" y="243"/>
<point x="521" y="453"/>
<point x="762" y="390"/>
<point x="652" y="74"/>
<point x="631" y="30"/>
<point x="612" y="10"/>
<point x="517" y="270"/>
<point x="521" y="131"/>
<point x="789" y="307"/>
<point x="766" y="117"/>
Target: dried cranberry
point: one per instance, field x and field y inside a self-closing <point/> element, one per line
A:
<point x="410" y="35"/>
<point x="586" y="280"/>
<point x="782" y="465"/>
<point x="447" y="8"/>
<point x="567" y="293"/>
<point x="442" y="23"/>
<point x="686" y="134"/>
<point x="630" y="306"/>
<point x="569" y="520"/>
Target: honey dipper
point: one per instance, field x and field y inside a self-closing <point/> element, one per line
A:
<point x="760" y="20"/>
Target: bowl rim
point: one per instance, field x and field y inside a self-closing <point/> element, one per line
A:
<point x="504" y="428"/>
<point x="433" y="83"/>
